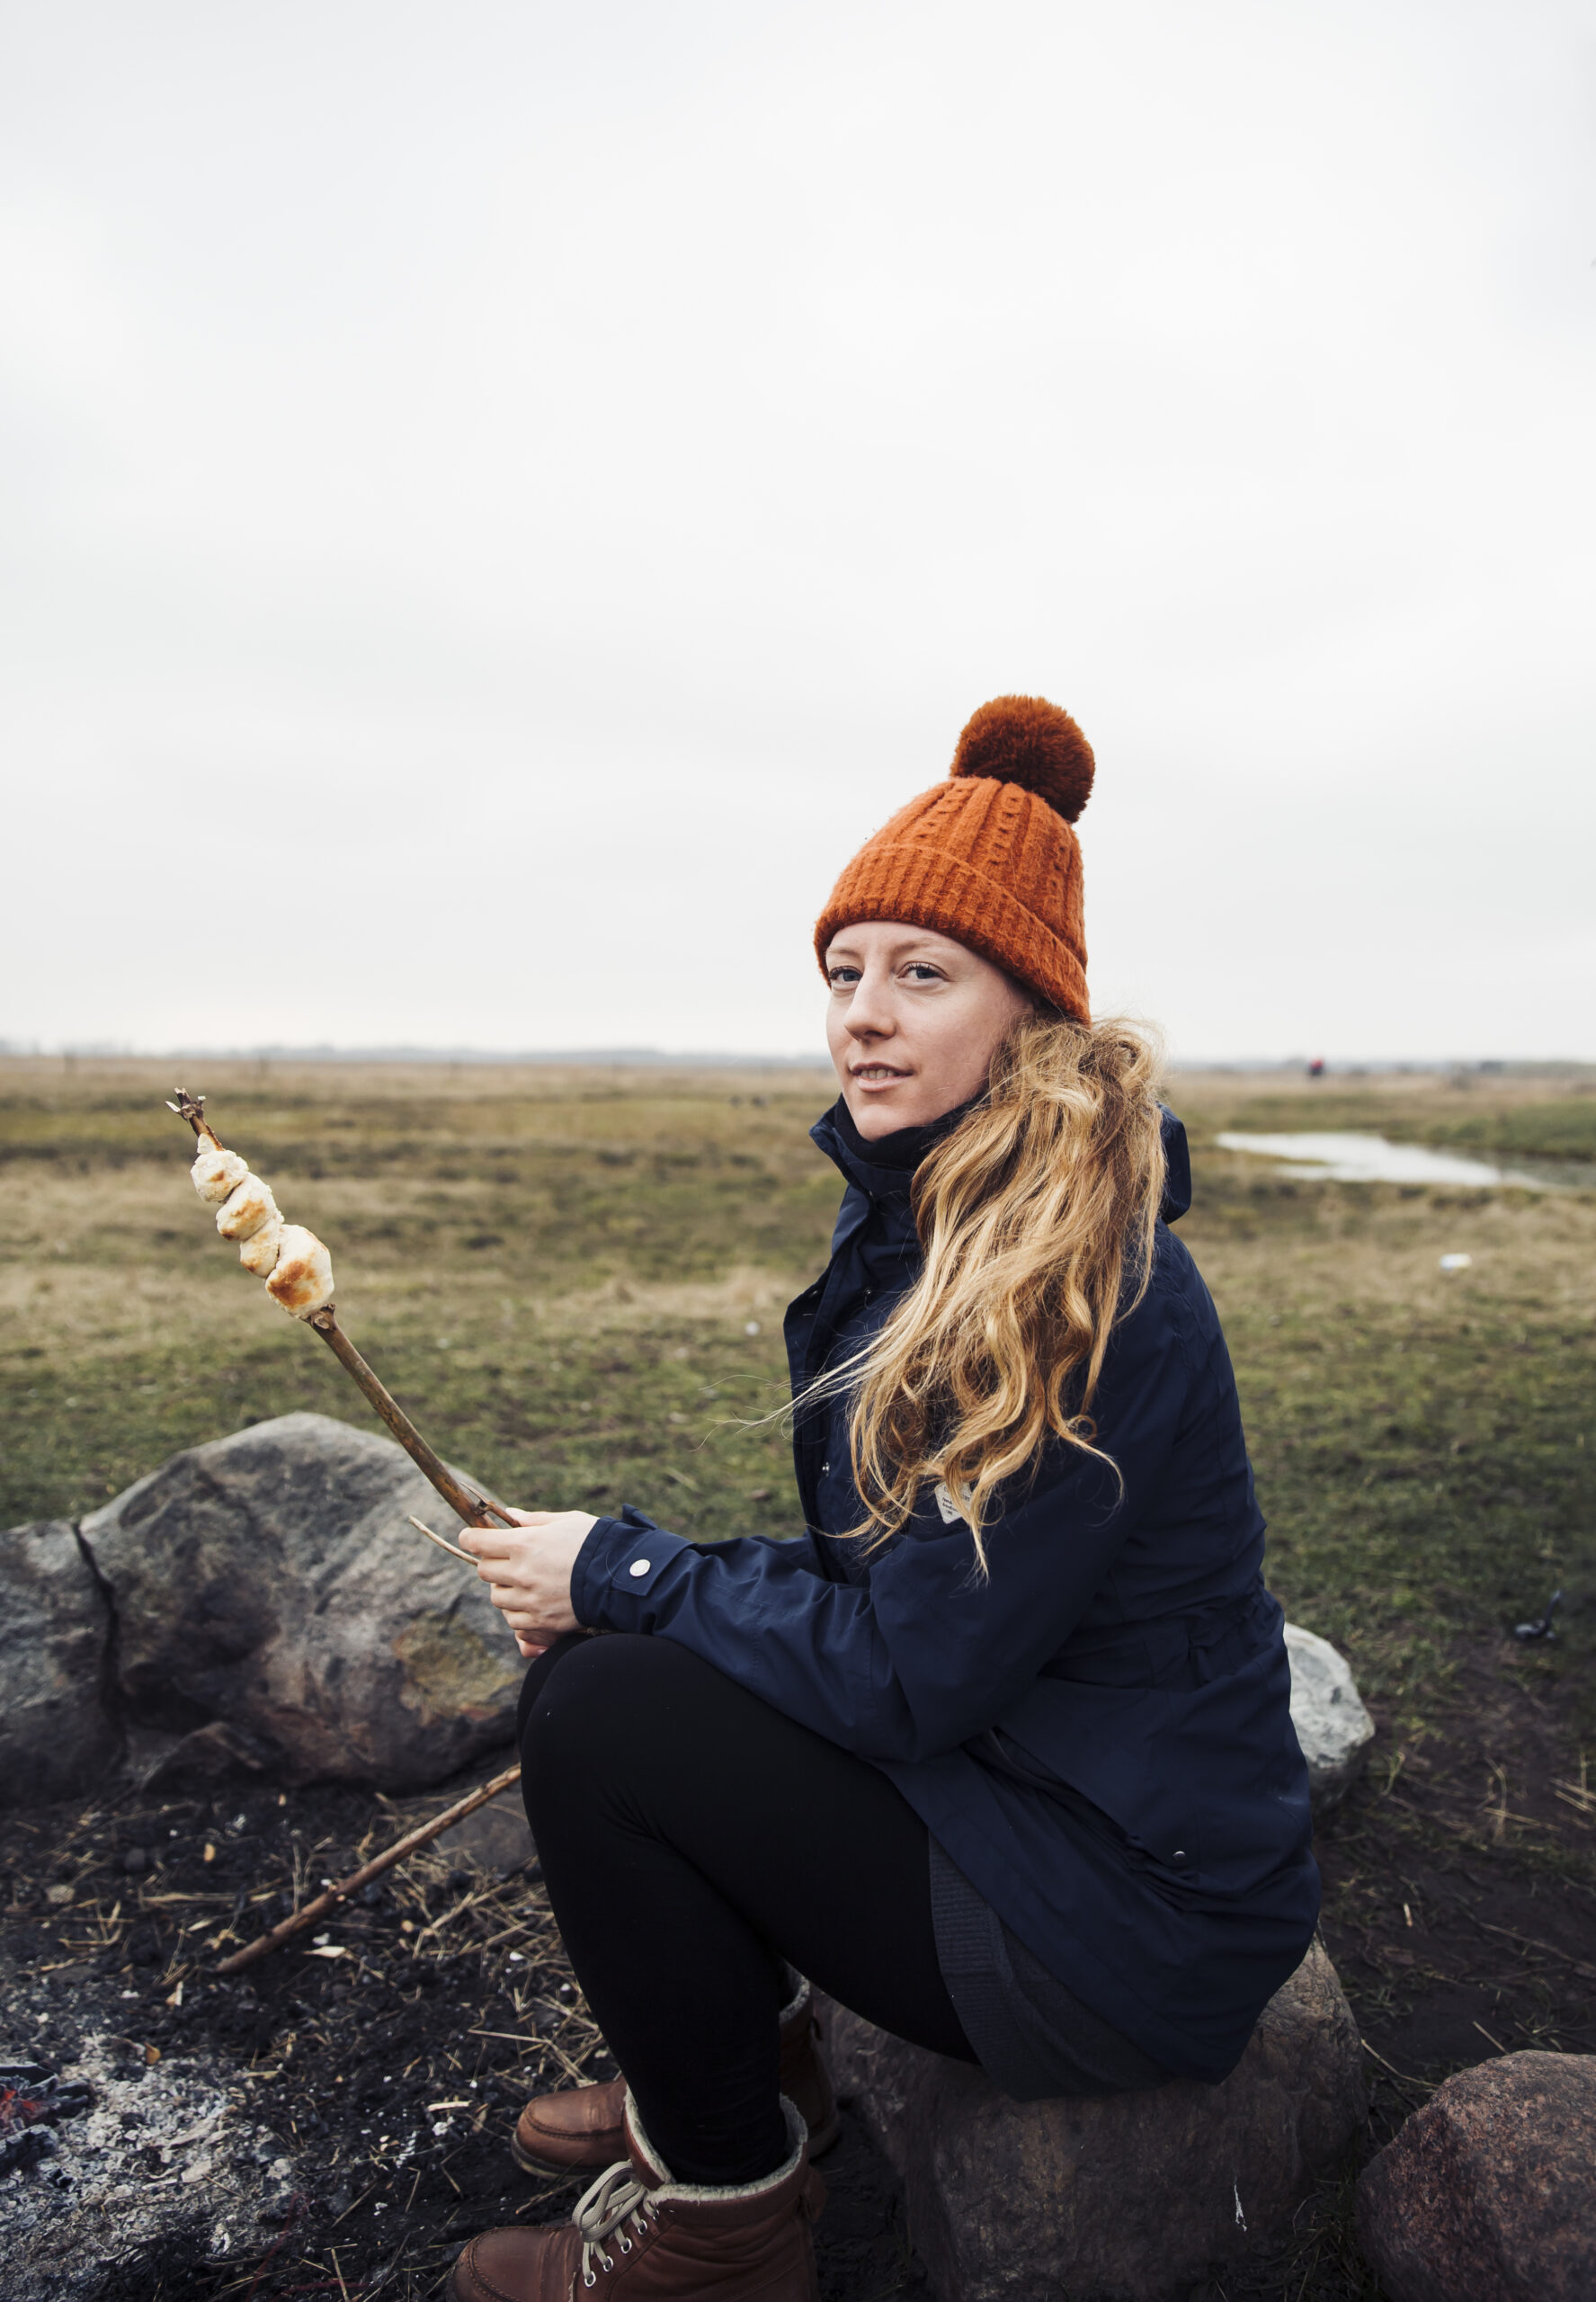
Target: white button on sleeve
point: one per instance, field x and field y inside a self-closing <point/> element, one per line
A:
<point x="640" y="1566"/>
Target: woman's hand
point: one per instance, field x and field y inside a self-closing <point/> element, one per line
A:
<point x="528" y="1568"/>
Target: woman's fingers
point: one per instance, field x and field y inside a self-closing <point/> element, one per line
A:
<point x="511" y="1598"/>
<point x="492" y="1542"/>
<point x="528" y="1567"/>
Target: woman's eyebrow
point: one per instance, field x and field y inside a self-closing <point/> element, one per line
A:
<point x="841" y="955"/>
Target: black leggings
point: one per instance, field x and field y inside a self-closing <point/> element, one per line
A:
<point x="692" y="1839"/>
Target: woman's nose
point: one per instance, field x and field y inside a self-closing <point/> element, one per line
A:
<point x="869" y="1015"/>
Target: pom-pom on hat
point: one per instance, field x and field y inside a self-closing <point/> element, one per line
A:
<point x="989" y="857"/>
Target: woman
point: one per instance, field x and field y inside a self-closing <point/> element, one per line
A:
<point x="1000" y="1753"/>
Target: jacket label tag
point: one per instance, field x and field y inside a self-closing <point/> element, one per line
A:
<point x="947" y="1505"/>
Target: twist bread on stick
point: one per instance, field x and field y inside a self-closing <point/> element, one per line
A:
<point x="246" y="1210"/>
<point x="216" y="1173"/>
<point x="260" y="1251"/>
<point x="298" y="1274"/>
<point x="301" y="1280"/>
<point x="292" y="1261"/>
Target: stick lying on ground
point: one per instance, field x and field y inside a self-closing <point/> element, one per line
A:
<point x="298" y="1274"/>
<point x="325" y="1900"/>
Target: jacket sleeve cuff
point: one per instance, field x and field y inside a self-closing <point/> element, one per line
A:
<point x="618" y="1568"/>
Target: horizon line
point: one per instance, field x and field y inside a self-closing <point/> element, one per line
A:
<point x="636" y="1058"/>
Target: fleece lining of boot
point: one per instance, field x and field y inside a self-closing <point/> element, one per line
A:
<point x="707" y="2194"/>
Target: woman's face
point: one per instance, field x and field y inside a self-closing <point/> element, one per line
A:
<point x="913" y="1022"/>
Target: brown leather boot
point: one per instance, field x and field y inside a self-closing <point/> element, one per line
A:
<point x="664" y="2241"/>
<point x="581" y="2129"/>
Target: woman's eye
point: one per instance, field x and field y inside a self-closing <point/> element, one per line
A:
<point x="842" y="978"/>
<point x="921" y="972"/>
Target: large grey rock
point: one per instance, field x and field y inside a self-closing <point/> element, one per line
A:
<point x="1488" y="2193"/>
<point x="496" y="1836"/>
<point x="1331" y="1724"/>
<point x="275" y="1608"/>
<point x="57" y="1735"/>
<point x="1130" y="2196"/>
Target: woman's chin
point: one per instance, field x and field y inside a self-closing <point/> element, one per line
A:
<point x="877" y="1111"/>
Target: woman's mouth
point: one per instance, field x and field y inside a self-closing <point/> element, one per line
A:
<point x="876" y="1075"/>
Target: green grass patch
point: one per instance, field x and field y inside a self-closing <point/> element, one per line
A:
<point x="557" y="1273"/>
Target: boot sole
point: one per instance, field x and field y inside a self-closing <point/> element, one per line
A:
<point x="819" y="2144"/>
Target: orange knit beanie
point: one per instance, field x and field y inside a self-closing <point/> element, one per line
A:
<point x="988" y="857"/>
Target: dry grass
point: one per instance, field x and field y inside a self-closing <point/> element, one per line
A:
<point x="558" y="1270"/>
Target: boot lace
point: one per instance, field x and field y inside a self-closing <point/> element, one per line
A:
<point x="616" y="2199"/>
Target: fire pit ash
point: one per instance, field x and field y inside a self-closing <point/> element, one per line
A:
<point x="33" y="2099"/>
<point x="111" y="2159"/>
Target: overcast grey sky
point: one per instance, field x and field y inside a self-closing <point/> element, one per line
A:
<point x="499" y="500"/>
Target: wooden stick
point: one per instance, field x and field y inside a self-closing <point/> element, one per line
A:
<point x="193" y="1109"/>
<point x="474" y="1508"/>
<point x="324" y="1902"/>
<point x="453" y="1550"/>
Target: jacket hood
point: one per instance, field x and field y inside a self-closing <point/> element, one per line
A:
<point x="886" y="1168"/>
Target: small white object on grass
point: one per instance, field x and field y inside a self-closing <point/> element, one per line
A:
<point x="1456" y="1262"/>
<point x="751" y="1326"/>
<point x="1332" y="1726"/>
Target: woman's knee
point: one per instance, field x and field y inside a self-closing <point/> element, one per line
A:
<point x="601" y="1698"/>
<point x="537" y="1675"/>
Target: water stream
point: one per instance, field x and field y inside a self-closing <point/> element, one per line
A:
<point x="1371" y="1159"/>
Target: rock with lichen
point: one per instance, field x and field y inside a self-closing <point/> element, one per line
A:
<point x="276" y="1614"/>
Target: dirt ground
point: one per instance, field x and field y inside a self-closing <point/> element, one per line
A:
<point x="1460" y="1895"/>
<point x="368" y="2076"/>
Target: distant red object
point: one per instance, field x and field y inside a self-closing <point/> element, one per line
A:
<point x="1316" y="1068"/>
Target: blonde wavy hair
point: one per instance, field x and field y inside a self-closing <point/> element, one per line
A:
<point x="1036" y="1217"/>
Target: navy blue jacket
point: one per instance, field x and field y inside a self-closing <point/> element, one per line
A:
<point x="1099" y="1735"/>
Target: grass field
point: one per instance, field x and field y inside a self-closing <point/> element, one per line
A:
<point x="574" y="1279"/>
